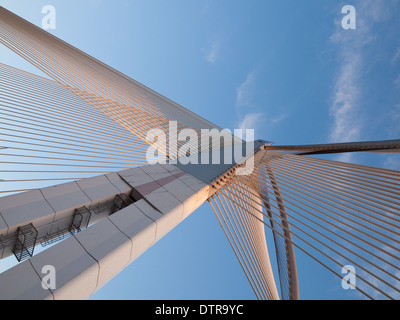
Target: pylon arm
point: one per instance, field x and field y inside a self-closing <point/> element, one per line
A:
<point x="87" y="260"/>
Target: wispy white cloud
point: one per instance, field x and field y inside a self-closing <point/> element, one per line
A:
<point x="345" y="109"/>
<point x="213" y="52"/>
<point x="378" y="277"/>
<point x="245" y="91"/>
<point x="247" y="107"/>
<point x="251" y="121"/>
<point x="392" y="162"/>
<point x="396" y="55"/>
<point x="249" y="117"/>
<point x="279" y="118"/>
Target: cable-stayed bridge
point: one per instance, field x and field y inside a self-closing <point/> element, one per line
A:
<point x="75" y="173"/>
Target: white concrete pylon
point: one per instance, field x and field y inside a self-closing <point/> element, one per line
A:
<point x="87" y="260"/>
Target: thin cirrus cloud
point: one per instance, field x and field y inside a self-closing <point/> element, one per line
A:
<point x="345" y="111"/>
<point x="213" y="53"/>
<point x="392" y="162"/>
<point x="250" y="116"/>
<point x="345" y="102"/>
<point x="245" y="91"/>
<point x="250" y="122"/>
<point x="244" y="103"/>
<point x="279" y="118"/>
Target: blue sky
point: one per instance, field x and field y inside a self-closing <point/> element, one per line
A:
<point x="283" y="67"/>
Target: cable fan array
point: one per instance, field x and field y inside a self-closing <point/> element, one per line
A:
<point x="49" y="134"/>
<point x="92" y="118"/>
<point x="336" y="213"/>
